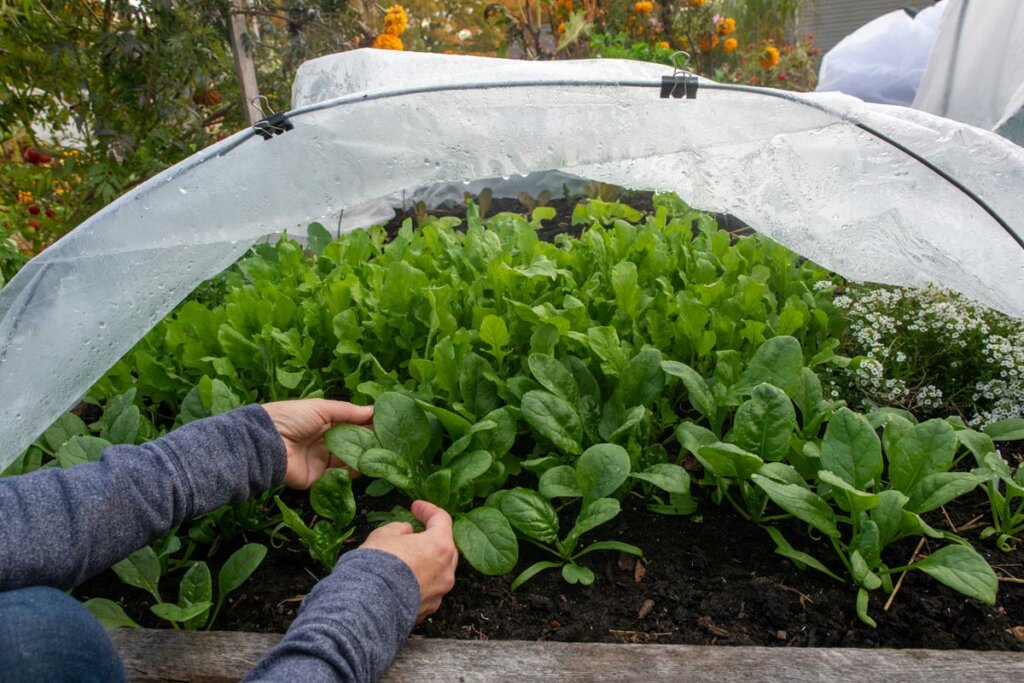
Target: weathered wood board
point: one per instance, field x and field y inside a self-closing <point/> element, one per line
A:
<point x="155" y="655"/>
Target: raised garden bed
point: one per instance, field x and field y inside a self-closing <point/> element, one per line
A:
<point x="708" y="578"/>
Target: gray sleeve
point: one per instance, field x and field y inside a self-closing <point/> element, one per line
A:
<point x="60" y="527"/>
<point x="351" y="624"/>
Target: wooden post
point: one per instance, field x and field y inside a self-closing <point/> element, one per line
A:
<point x="244" y="66"/>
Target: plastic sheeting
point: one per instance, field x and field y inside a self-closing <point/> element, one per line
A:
<point x="975" y="72"/>
<point x="884" y="60"/>
<point x="802" y="169"/>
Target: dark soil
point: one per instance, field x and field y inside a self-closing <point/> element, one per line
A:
<point x="562" y="222"/>
<point x="712" y="578"/>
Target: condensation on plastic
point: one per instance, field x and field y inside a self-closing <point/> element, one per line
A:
<point x="804" y="174"/>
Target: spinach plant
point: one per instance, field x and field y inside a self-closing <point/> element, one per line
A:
<point x="445" y="460"/>
<point x="331" y="498"/>
<point x="838" y="484"/>
<point x="1004" y="487"/>
<point x="571" y="413"/>
<point x="196" y="608"/>
<point x="599" y="472"/>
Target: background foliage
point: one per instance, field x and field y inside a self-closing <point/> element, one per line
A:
<point x="111" y="92"/>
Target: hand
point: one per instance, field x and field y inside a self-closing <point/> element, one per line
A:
<point x="431" y="554"/>
<point x="302" y="425"/>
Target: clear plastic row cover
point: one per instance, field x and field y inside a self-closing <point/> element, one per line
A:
<point x="799" y="169"/>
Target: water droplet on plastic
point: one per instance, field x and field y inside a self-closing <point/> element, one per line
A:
<point x="102" y="325"/>
<point x="182" y="190"/>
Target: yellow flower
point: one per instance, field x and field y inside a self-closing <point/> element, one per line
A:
<point x="395" y="21"/>
<point x="696" y="3"/>
<point x="769" y="57"/>
<point x="664" y="45"/>
<point x="25" y="197"/>
<point x="386" y="41"/>
<point x="726" y="26"/>
<point x="730" y="45"/>
<point x="707" y="42"/>
<point x="643" y="7"/>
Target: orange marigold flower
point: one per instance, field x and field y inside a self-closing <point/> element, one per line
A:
<point x="707" y="42"/>
<point x="643" y="7"/>
<point x="664" y="45"/>
<point x="25" y="197"/>
<point x="386" y="41"/>
<point x="730" y="45"/>
<point x="561" y="28"/>
<point x="769" y="57"/>
<point x="395" y="20"/>
<point x="696" y="3"/>
<point x="726" y="26"/>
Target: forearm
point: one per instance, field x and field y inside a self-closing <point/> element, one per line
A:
<point x="351" y="624"/>
<point x="59" y="527"/>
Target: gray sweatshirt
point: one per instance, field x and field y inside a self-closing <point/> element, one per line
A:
<point x="60" y="527"/>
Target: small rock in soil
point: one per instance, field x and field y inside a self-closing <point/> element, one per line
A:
<point x="638" y="572"/>
<point x="645" y="608"/>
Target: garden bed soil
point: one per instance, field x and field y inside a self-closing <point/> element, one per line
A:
<point x="711" y="578"/>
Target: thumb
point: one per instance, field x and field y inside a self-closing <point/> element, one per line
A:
<point x="342" y="412"/>
<point x="432" y="516"/>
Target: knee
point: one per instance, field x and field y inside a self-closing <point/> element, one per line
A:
<point x="48" y="635"/>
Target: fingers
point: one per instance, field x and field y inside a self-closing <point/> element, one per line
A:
<point x="343" y="412"/>
<point x="432" y="517"/>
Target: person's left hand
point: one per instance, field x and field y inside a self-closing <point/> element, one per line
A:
<point x="302" y="424"/>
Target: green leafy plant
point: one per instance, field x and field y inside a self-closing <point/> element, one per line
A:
<point x="405" y="449"/>
<point x="599" y="472"/>
<point x="838" y="484"/>
<point x="196" y="608"/>
<point x="331" y="498"/>
<point x="1004" y="487"/>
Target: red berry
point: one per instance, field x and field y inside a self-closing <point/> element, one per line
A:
<point x="34" y="224"/>
<point x="33" y="209"/>
<point x="50" y="213"/>
<point x="44" y="158"/>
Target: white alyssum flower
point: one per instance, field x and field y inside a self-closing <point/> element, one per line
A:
<point x="932" y="350"/>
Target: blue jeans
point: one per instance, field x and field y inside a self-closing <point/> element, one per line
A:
<point x="46" y="635"/>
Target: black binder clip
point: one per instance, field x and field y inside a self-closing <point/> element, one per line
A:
<point x="272" y="125"/>
<point x="681" y="83"/>
<point x="275" y="124"/>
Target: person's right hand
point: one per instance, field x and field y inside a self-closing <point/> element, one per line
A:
<point x="431" y="554"/>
